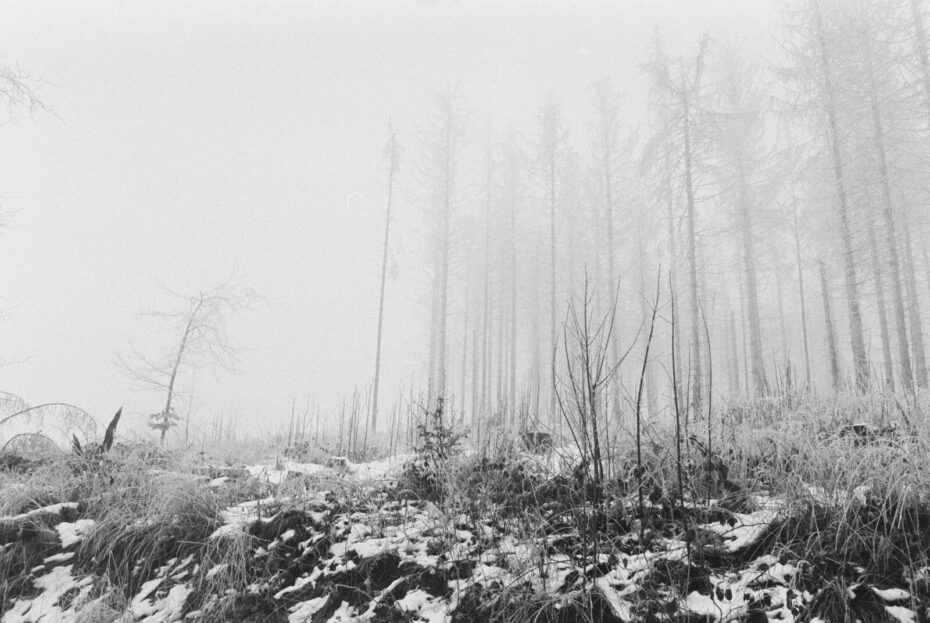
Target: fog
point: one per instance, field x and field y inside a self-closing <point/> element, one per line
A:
<point x="183" y="145"/>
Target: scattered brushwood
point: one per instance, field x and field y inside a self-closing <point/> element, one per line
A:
<point x="505" y="482"/>
<point x="711" y="472"/>
<point x="537" y="442"/>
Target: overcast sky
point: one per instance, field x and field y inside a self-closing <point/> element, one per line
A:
<point x="192" y="137"/>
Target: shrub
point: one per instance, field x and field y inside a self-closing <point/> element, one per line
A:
<point x="437" y="444"/>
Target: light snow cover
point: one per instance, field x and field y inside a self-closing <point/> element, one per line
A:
<point x="409" y="530"/>
<point x="51" y="509"/>
<point x="303" y="612"/>
<point x="45" y="605"/>
<point x="71" y="533"/>
<point x="749" y="526"/>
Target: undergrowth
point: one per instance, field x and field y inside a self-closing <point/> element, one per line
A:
<point x="852" y="476"/>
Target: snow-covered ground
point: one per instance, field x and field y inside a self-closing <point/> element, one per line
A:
<point x="324" y="558"/>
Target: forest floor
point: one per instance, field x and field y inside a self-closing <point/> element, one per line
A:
<point x="798" y="510"/>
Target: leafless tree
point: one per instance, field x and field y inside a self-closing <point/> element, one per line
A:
<point x="17" y="90"/>
<point x="196" y="326"/>
<point x="393" y="154"/>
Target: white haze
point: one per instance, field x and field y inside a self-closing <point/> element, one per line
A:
<point x="192" y="137"/>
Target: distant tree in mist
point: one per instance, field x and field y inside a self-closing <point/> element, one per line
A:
<point x="550" y="153"/>
<point x="441" y="145"/>
<point x="392" y="151"/>
<point x="196" y="335"/>
<point x="607" y="151"/>
<point x="512" y="188"/>
<point x="17" y="90"/>
<point x="737" y="135"/>
<point x="816" y="60"/>
<point x="677" y="86"/>
<point x="787" y="204"/>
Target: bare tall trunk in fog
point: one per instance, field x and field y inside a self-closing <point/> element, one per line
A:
<point x="696" y="361"/>
<point x="802" y="300"/>
<point x="442" y="145"/>
<point x="652" y="399"/>
<point x="393" y="156"/>
<point x="920" y="36"/>
<point x="677" y="100"/>
<point x="744" y="332"/>
<point x="664" y="155"/>
<point x="607" y="109"/>
<point x="752" y="288"/>
<point x="536" y="360"/>
<point x="442" y="330"/>
<point x="673" y="266"/>
<point x="878" y="278"/>
<point x="888" y="212"/>
<point x="857" y="340"/>
<point x="481" y="407"/>
<point x="738" y="140"/>
<point x="913" y="306"/>
<point x="925" y="254"/>
<point x="831" y="332"/>
<point x="500" y="394"/>
<point x="475" y="376"/>
<point x="513" y="192"/>
<point x="464" y="378"/>
<point x="733" y="355"/>
<point x="783" y="329"/>
<point x="550" y="146"/>
<point x="921" y="45"/>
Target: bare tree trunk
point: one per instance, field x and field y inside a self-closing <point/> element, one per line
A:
<point x="651" y="393"/>
<point x="921" y="37"/>
<point x="433" y="332"/>
<point x="783" y="329"/>
<point x="392" y="169"/>
<point x="800" y="265"/>
<point x="913" y="306"/>
<point x="891" y="243"/>
<point x="486" y="328"/>
<point x="744" y="331"/>
<point x="512" y="164"/>
<point x="696" y="361"/>
<point x="444" y="152"/>
<point x="475" y="360"/>
<point x="923" y="251"/>
<point x="465" y="353"/>
<point x="831" y="332"/>
<point x="550" y="363"/>
<point x="857" y="340"/>
<point x="444" y="270"/>
<point x="475" y="373"/>
<point x="733" y="366"/>
<point x="535" y="353"/>
<point x="500" y="394"/>
<point x="607" y="113"/>
<point x="887" y="361"/>
<point x="752" y="289"/>
<point x="673" y="265"/>
<point x="550" y="134"/>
